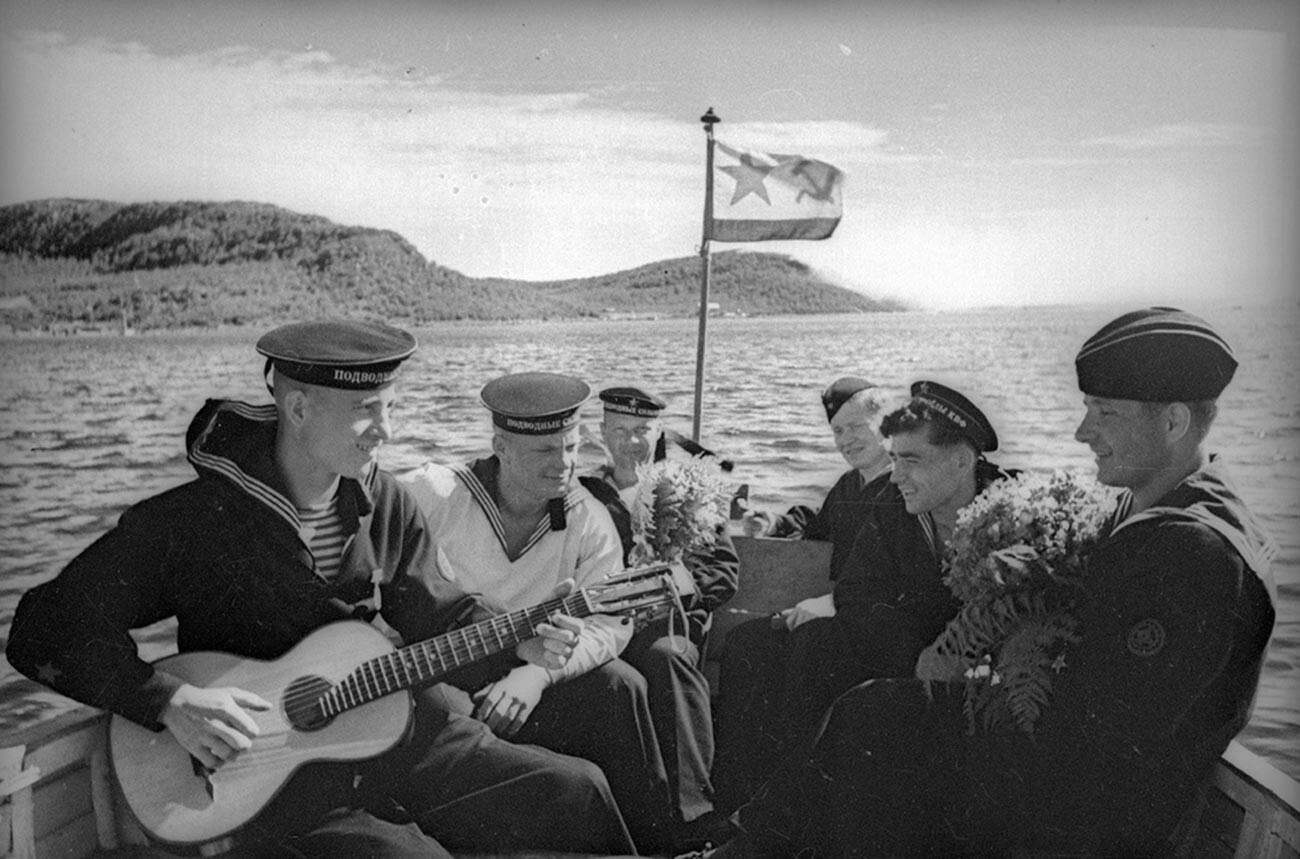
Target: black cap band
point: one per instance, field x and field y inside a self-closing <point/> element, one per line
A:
<point x="337" y="353"/>
<point x="535" y="403"/>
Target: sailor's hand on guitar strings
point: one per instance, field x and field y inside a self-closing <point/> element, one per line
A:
<point x="504" y="706"/>
<point x="553" y="645"/>
<point x="212" y="724"/>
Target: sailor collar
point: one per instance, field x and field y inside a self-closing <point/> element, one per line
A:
<point x="482" y="478"/>
<point x="237" y="444"/>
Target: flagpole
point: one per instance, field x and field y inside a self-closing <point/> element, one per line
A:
<point x="709" y="119"/>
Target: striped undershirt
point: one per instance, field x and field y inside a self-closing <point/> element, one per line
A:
<point x="322" y="531"/>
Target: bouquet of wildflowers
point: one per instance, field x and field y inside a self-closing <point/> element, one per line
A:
<point x="678" y="507"/>
<point x="1017" y="556"/>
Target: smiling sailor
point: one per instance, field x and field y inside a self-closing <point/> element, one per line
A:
<point x="288" y="525"/>
<point x="514" y="526"/>
<point x="1173" y="620"/>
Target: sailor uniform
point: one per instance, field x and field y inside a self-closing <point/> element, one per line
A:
<point x="461" y="507"/>
<point x="839" y="518"/>
<point x="223" y="555"/>
<point x="890" y="603"/>
<point x="1173" y="627"/>
<point x="599" y="709"/>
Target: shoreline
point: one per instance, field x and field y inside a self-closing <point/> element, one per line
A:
<point x="110" y="331"/>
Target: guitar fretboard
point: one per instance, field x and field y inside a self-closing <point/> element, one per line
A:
<point x="424" y="662"/>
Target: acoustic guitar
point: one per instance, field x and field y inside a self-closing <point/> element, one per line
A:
<point x="333" y="700"/>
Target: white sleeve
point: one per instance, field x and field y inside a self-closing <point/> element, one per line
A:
<point x="603" y="638"/>
<point x="600" y="555"/>
<point x="600" y="552"/>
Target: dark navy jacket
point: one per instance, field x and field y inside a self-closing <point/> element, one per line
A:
<point x="222" y="555"/>
<point x="838" y="520"/>
<point x="890" y="599"/>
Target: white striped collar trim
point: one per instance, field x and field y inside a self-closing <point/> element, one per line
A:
<point x="1176" y="330"/>
<point x="259" y="490"/>
<point x="490" y="509"/>
<point x="931" y="535"/>
<point x="1119" y="517"/>
<point x="228" y="469"/>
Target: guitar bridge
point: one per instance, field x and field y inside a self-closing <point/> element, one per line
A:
<point x="202" y="771"/>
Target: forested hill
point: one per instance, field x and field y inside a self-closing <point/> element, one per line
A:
<point x="70" y="263"/>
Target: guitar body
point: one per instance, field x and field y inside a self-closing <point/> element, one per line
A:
<point x="178" y="802"/>
<point x="334" y="698"/>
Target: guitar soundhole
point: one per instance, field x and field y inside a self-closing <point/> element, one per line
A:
<point x="304" y="703"/>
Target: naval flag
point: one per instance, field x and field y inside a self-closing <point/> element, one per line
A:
<point x="759" y="196"/>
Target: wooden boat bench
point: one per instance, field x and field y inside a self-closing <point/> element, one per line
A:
<point x="57" y="796"/>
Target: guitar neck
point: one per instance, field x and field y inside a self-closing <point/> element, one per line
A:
<point x="426" y="661"/>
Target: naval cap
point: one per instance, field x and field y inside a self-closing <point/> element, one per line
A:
<point x="840" y="391"/>
<point x="959" y="411"/>
<point x="337" y="353"/>
<point x="535" y="403"/>
<point x="1159" y="354"/>
<point x="631" y="401"/>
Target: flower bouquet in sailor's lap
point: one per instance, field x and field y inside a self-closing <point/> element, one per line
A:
<point x="1016" y="561"/>
<point x="677" y="512"/>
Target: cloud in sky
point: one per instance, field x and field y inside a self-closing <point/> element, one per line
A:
<point x="956" y="196"/>
<point x="1181" y="136"/>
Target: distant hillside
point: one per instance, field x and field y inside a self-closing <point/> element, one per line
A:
<point x="71" y="263"/>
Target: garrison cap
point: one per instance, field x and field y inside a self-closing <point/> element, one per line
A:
<point x="337" y="353"/>
<point x="632" y="401"/>
<point x="535" y="403"/>
<point x="840" y="391"/>
<point x="959" y="411"/>
<point x="1160" y="354"/>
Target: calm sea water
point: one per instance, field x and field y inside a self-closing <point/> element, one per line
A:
<point x="90" y="425"/>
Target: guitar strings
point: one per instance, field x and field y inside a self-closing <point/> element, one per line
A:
<point x="391" y="671"/>
<point x="367" y="681"/>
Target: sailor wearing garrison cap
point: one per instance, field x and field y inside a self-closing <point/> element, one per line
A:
<point x="1159" y="354"/>
<point x="516" y="527"/>
<point x="1178" y="604"/>
<point x="1166" y="639"/>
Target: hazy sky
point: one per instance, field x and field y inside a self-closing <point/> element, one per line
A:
<point x="996" y="152"/>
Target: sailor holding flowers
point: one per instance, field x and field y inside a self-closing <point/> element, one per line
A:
<point x="1156" y="675"/>
<point x="670" y="510"/>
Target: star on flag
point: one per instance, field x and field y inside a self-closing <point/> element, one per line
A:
<point x="749" y="175"/>
<point x="772" y="196"/>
